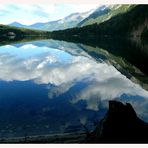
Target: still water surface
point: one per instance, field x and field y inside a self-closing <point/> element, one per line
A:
<point x="52" y="86"/>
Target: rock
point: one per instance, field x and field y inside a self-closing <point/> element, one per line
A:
<point x="120" y="125"/>
<point x="11" y="34"/>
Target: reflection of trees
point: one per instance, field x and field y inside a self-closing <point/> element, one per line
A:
<point x="4" y="40"/>
<point x="25" y="133"/>
<point x="129" y="55"/>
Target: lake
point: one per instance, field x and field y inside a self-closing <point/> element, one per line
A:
<point x="49" y="87"/>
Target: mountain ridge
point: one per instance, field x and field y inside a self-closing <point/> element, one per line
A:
<point x="101" y="14"/>
<point x="69" y="21"/>
<point x="123" y="24"/>
<point x="104" y="13"/>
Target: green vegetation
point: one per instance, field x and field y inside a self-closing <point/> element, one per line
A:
<point x="101" y="16"/>
<point x="126" y="20"/>
<point x="4" y="40"/>
<point x="144" y="34"/>
<point x="20" y="32"/>
<point x="120" y="25"/>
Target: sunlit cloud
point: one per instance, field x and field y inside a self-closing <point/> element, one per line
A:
<point x="28" y="46"/>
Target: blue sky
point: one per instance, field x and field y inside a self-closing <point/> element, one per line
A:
<point x="32" y="13"/>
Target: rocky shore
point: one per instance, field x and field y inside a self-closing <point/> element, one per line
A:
<point x="120" y="125"/>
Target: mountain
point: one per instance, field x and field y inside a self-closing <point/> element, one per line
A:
<point x="16" y="24"/>
<point x="69" y="21"/>
<point x="132" y="23"/>
<point x="102" y="10"/>
<point x="103" y="13"/>
<point x="122" y="36"/>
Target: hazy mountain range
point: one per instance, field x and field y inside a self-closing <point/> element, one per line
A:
<point x="99" y="15"/>
<point x="68" y="22"/>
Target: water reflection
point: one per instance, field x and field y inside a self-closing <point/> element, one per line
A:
<point x="52" y="86"/>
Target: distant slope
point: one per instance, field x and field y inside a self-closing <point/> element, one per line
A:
<point x="16" y="24"/>
<point x="68" y="22"/>
<point x="99" y="12"/>
<point x="6" y="31"/>
<point x="104" y="13"/>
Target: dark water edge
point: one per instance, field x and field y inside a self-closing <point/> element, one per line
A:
<point x="4" y="40"/>
<point x="134" y="50"/>
<point x="119" y="125"/>
<point x="77" y="137"/>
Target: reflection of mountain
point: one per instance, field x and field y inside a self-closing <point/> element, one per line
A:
<point x="125" y="67"/>
<point x="108" y="50"/>
<point x="123" y="51"/>
<point x="72" y="48"/>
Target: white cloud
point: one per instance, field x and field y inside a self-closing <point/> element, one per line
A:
<point x="28" y="46"/>
<point x="39" y="68"/>
<point x="48" y="59"/>
<point x="25" y="13"/>
<point x="61" y="89"/>
<point x="50" y="8"/>
<point x="85" y="7"/>
<point x="111" y="88"/>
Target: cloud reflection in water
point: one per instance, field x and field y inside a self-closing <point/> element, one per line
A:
<point x="102" y="81"/>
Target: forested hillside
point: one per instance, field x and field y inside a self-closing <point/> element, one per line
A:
<point x="104" y="13"/>
<point x="132" y="23"/>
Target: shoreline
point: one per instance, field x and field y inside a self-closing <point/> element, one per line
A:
<point x="76" y="137"/>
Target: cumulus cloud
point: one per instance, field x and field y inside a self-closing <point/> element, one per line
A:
<point x="25" y="46"/>
<point x="39" y="67"/>
<point x="26" y="14"/>
<point x="111" y="88"/>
